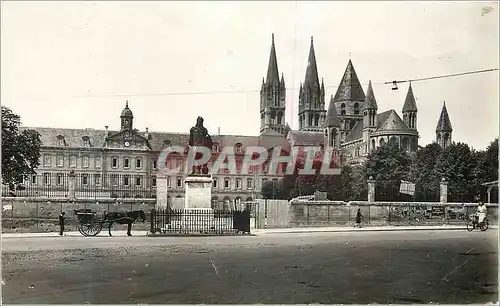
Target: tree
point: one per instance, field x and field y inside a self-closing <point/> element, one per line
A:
<point x="423" y="172"/>
<point x="271" y="190"/>
<point x="20" y="149"/>
<point x="388" y="165"/>
<point x="458" y="164"/>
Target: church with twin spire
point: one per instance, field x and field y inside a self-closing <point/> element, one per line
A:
<point x="352" y="123"/>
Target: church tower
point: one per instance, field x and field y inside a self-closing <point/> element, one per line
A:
<point x="312" y="112"/>
<point x="410" y="110"/>
<point x="126" y="118"/>
<point x="369" y="119"/>
<point x="332" y="127"/>
<point x="272" y="97"/>
<point x="444" y="129"/>
<point x="349" y="101"/>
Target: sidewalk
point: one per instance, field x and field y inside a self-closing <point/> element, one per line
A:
<point x="258" y="232"/>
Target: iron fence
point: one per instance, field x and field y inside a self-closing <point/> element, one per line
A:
<point x="199" y="222"/>
<point x="85" y="185"/>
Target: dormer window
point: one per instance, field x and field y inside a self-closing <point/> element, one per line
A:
<point x="86" y="141"/>
<point x="342" y="109"/>
<point x="60" y="140"/>
<point x="356" y="108"/>
<point x="238" y="148"/>
<point x="215" y="148"/>
<point x="167" y="143"/>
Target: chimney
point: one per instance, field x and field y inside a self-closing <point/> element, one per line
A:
<point x="218" y="131"/>
<point x="146" y="135"/>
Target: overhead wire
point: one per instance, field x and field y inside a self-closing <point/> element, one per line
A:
<point x="287" y="89"/>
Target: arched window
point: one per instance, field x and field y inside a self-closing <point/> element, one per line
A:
<point x="356" y="108"/>
<point x="382" y="141"/>
<point x="373" y="144"/>
<point x="238" y="148"/>
<point x="342" y="109"/>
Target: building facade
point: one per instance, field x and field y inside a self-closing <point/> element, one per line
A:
<point x="352" y="125"/>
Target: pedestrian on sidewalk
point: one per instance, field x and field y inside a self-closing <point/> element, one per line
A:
<point x="359" y="216"/>
<point x="61" y="223"/>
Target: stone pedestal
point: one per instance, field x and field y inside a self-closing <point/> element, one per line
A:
<point x="161" y="193"/>
<point x="198" y="214"/>
<point x="198" y="191"/>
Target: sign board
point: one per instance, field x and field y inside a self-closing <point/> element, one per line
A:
<point x="407" y="188"/>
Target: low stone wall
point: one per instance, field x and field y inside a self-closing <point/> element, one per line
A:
<point x="338" y="213"/>
<point x="42" y="214"/>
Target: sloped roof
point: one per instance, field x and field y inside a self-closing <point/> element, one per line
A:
<point x="307" y="138"/>
<point x="356" y="133"/>
<point x="73" y="138"/>
<point x="392" y="123"/>
<point x="382" y="117"/>
<point x="444" y="123"/>
<point x="350" y="88"/>
<point x="332" y="119"/>
<point x="410" y="104"/>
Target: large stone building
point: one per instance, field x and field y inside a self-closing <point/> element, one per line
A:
<point x="352" y="125"/>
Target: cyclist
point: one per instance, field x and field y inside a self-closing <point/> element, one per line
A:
<point x="481" y="213"/>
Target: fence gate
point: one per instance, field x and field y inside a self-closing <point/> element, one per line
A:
<point x="271" y="213"/>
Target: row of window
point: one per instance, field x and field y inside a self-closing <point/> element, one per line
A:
<point x="85" y="180"/>
<point x="85" y="161"/>
<point x="226" y="183"/>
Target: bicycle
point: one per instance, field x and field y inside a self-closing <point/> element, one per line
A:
<point x="474" y="223"/>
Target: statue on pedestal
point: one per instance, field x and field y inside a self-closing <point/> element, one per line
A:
<point x="199" y="137"/>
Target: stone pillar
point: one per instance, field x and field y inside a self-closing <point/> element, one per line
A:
<point x="371" y="189"/>
<point x="489" y="193"/>
<point x="161" y="192"/>
<point x="72" y="184"/>
<point x="443" y="198"/>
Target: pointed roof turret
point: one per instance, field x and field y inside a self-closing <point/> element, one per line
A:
<point x="282" y="80"/>
<point x="444" y="123"/>
<point x="312" y="79"/>
<point x="332" y="120"/>
<point x="273" y="76"/>
<point x="410" y="104"/>
<point x="349" y="89"/>
<point x="370" y="101"/>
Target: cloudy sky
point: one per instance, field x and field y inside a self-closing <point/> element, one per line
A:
<point x="73" y="64"/>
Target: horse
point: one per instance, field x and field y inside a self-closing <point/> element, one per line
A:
<point x="124" y="218"/>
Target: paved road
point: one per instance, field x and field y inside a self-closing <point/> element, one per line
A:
<point x="378" y="267"/>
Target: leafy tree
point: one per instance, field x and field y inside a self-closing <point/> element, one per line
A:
<point x="388" y="165"/>
<point x="271" y="190"/>
<point x="458" y="164"/>
<point x="423" y="172"/>
<point x="20" y="149"/>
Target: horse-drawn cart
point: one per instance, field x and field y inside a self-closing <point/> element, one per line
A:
<point x="89" y="224"/>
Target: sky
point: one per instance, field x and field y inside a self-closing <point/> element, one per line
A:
<point x="74" y="64"/>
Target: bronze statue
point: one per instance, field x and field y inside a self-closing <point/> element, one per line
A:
<point x="199" y="137"/>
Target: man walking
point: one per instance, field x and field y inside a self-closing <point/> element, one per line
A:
<point x="359" y="216"/>
<point x="61" y="223"/>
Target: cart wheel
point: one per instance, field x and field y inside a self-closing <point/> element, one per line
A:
<point x="91" y="229"/>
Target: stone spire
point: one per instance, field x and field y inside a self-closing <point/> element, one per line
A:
<point x="350" y="88"/>
<point x="370" y="101"/>
<point x="444" y="123"/>
<point x="410" y="104"/>
<point x="272" y="68"/>
<point x="312" y="79"/>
